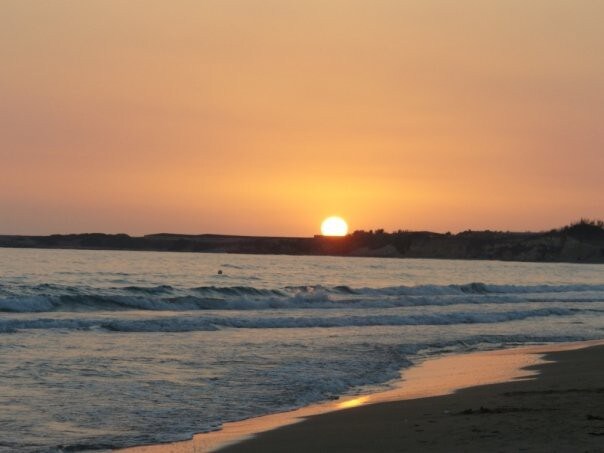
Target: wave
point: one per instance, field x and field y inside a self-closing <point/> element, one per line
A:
<point x="231" y="266"/>
<point x="480" y="288"/>
<point x="160" y="289"/>
<point x="305" y="387"/>
<point x="419" y="290"/>
<point x="213" y="323"/>
<point x="50" y="297"/>
<point x="238" y="291"/>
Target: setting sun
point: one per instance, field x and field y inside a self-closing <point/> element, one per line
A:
<point x="334" y="226"/>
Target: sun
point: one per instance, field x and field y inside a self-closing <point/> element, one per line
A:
<point x="334" y="226"/>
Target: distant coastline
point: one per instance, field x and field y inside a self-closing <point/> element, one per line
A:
<point x="581" y="242"/>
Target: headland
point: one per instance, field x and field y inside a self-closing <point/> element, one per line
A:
<point x="582" y="242"/>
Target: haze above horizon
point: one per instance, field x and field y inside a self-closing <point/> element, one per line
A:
<point x="265" y="117"/>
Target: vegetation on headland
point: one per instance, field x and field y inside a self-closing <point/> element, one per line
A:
<point x="581" y="241"/>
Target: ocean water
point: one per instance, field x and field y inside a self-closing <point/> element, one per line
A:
<point x="104" y="349"/>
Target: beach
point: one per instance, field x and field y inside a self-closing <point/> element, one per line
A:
<point x="304" y="226"/>
<point x="536" y="398"/>
<point x="562" y="409"/>
<point x="104" y="350"/>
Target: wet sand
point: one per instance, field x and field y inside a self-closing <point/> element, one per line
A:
<point x="534" y="400"/>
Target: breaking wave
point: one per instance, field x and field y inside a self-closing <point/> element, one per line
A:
<point x="211" y="323"/>
<point x="49" y="298"/>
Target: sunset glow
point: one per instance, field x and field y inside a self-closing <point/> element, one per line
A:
<point x="216" y="210"/>
<point x="334" y="226"/>
<point x="248" y="117"/>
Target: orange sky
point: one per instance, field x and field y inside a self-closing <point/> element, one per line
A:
<point x="264" y="117"/>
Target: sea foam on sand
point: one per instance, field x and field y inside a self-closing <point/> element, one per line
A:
<point x="432" y="378"/>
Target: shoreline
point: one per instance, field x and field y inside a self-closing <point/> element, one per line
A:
<point x="444" y="377"/>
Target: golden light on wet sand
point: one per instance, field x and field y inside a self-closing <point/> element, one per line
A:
<point x="355" y="402"/>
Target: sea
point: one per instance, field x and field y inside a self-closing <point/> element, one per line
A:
<point x="107" y="349"/>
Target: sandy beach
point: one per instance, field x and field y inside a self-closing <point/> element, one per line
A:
<point x="301" y="226"/>
<point x="561" y="410"/>
<point x="541" y="398"/>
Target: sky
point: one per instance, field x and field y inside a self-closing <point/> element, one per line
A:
<point x="263" y="117"/>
